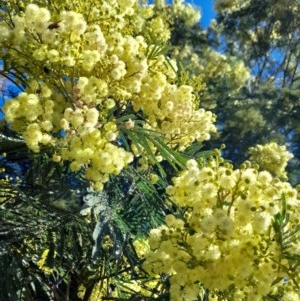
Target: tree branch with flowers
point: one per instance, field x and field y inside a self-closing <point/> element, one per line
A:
<point x="106" y="120"/>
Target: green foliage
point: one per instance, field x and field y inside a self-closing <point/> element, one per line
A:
<point x="286" y="237"/>
<point x="143" y="139"/>
<point x="45" y="212"/>
<point x="265" y="36"/>
<point x="28" y="228"/>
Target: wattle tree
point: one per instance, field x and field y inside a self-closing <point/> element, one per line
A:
<point x="113" y="180"/>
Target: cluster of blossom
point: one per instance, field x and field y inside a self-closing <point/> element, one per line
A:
<point x="173" y="110"/>
<point x="220" y="66"/>
<point x="26" y="113"/>
<point x="81" y="67"/>
<point x="246" y="119"/>
<point x="157" y="29"/>
<point x="271" y="157"/>
<point x="229" y="5"/>
<point x="225" y="242"/>
<point x="183" y="11"/>
<point x="255" y="36"/>
<point x="210" y="67"/>
<point x="187" y="13"/>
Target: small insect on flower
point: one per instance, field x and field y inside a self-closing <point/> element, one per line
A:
<point x="46" y="70"/>
<point x="53" y="25"/>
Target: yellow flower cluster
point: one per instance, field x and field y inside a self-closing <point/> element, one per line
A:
<point x="271" y="157"/>
<point x="246" y="119"/>
<point x="188" y="13"/>
<point x="229" y="5"/>
<point x="212" y="67"/>
<point x="163" y="14"/>
<point x="173" y="111"/>
<point x="81" y="67"/>
<point x="220" y="66"/>
<point x="225" y="242"/>
<point x="157" y="30"/>
<point x="30" y="116"/>
<point x="94" y="150"/>
<point x="291" y="296"/>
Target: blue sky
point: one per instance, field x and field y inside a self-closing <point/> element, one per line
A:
<point x="206" y="7"/>
<point x="207" y="10"/>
